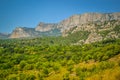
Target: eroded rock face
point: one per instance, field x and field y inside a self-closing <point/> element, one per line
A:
<point x="43" y="27"/>
<point x="93" y="37"/>
<point x="77" y="20"/>
<point x="21" y="32"/>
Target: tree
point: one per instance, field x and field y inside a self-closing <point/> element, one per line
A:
<point x="30" y="77"/>
<point x="70" y="68"/>
<point x="45" y="72"/>
<point x="22" y="64"/>
<point x="66" y="76"/>
<point x="56" y="67"/>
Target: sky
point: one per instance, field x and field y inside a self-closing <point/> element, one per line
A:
<point x="28" y="13"/>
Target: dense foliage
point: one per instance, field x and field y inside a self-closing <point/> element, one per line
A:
<point x="52" y="57"/>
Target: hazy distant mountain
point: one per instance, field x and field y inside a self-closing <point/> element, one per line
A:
<point x="4" y="35"/>
<point x="98" y="26"/>
<point x="23" y="32"/>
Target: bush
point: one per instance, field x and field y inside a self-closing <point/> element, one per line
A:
<point x="40" y="76"/>
<point x="56" y="67"/>
<point x="104" y="65"/>
<point x="7" y="65"/>
<point x="66" y="76"/>
<point x="29" y="67"/>
<point x="12" y="77"/>
<point x="45" y="72"/>
<point x="70" y="68"/>
<point x="22" y="64"/>
<point x="38" y="65"/>
<point x="22" y="76"/>
<point x="78" y="71"/>
<point x="30" y="77"/>
<point x="4" y="73"/>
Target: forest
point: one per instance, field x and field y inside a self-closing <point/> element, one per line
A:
<point x="55" y="58"/>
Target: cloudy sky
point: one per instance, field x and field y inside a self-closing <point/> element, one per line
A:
<point x="28" y="13"/>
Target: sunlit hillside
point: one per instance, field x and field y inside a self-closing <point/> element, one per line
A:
<point x="46" y="59"/>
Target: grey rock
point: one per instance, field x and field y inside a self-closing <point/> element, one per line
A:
<point x="43" y="27"/>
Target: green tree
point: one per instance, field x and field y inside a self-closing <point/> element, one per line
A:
<point x="30" y="77"/>
<point x="22" y="64"/>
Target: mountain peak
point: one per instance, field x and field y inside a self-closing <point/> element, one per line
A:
<point x="19" y="32"/>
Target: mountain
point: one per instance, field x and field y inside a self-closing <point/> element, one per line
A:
<point x="48" y="29"/>
<point x="21" y="32"/>
<point x="83" y="19"/>
<point x="92" y="26"/>
<point x="24" y="32"/>
<point x="4" y="35"/>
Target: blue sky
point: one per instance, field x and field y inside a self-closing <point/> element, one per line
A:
<point x="28" y="13"/>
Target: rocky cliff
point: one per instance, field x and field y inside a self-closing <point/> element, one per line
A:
<point x="43" y="27"/>
<point x="21" y="32"/>
<point x="100" y="26"/>
<point x="83" y="19"/>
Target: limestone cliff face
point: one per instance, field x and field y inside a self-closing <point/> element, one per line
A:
<point x="21" y="32"/>
<point x="77" y="20"/>
<point x="99" y="31"/>
<point x="43" y="27"/>
<point x="100" y="26"/>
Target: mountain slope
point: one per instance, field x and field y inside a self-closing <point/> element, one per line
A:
<point x="4" y="35"/>
<point x="82" y="19"/>
<point x="21" y="32"/>
<point x="43" y="27"/>
<point x="43" y="59"/>
<point x="100" y="26"/>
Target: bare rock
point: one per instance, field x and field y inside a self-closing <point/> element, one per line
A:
<point x="93" y="37"/>
<point x="43" y="27"/>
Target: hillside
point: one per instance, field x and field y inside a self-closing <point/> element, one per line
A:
<point x="46" y="59"/>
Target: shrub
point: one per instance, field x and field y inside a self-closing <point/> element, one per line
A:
<point x="66" y="76"/>
<point x="22" y="76"/>
<point x="45" y="72"/>
<point x="30" y="77"/>
<point x="40" y="76"/>
<point x="4" y="73"/>
<point x="78" y="71"/>
<point x="29" y="67"/>
<point x="70" y="68"/>
<point x="6" y="65"/>
<point x="22" y="64"/>
<point x="12" y="77"/>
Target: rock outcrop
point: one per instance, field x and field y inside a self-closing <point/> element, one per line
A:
<point x="81" y="20"/>
<point x="43" y="27"/>
<point x="21" y="32"/>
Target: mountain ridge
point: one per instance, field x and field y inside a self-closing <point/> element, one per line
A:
<point x="91" y="22"/>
